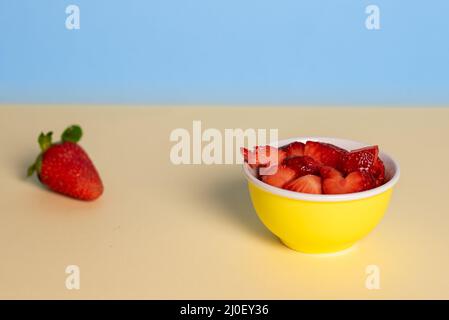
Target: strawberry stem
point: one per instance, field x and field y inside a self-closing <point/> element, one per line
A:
<point x="44" y="140"/>
<point x="31" y="170"/>
<point x="35" y="167"/>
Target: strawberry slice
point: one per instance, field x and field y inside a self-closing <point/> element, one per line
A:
<point x="324" y="153"/>
<point x="378" y="172"/>
<point x="303" y="165"/>
<point x="327" y="172"/>
<point x="281" y="176"/>
<point x="360" y="159"/>
<point x="294" y="149"/>
<point x="263" y="156"/>
<point x="335" y="183"/>
<point x="306" y="184"/>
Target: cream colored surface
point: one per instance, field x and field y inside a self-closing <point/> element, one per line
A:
<point x="166" y="232"/>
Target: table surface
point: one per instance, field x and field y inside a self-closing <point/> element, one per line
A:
<point x="163" y="231"/>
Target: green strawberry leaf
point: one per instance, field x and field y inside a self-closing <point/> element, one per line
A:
<point x="45" y="141"/>
<point x="35" y="167"/>
<point x="31" y="170"/>
<point x="72" y="134"/>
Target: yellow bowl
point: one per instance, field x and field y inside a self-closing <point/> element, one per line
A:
<point x="314" y="223"/>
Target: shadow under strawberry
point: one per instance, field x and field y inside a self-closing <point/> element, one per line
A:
<point x="232" y="195"/>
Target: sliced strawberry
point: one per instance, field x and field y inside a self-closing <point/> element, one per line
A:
<point x="327" y="172"/>
<point x="334" y="183"/>
<point x="378" y="172"/>
<point x="324" y="153"/>
<point x="263" y="156"/>
<point x="303" y="165"/>
<point x="360" y="159"/>
<point x="294" y="149"/>
<point x="282" y="175"/>
<point x="360" y="181"/>
<point x="306" y="184"/>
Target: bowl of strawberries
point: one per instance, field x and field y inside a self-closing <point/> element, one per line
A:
<point x="320" y="195"/>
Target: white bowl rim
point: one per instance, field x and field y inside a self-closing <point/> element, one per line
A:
<point x="327" y="197"/>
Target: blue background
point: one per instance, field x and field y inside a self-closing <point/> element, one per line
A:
<point x="225" y="51"/>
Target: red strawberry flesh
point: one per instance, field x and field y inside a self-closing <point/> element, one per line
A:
<point x="306" y="184"/>
<point x="303" y="165"/>
<point x="318" y="167"/>
<point x="360" y="159"/>
<point x="281" y="176"/>
<point x="325" y="154"/>
<point x="378" y="172"/>
<point x="263" y="156"/>
<point x="335" y="183"/>
<point x="294" y="149"/>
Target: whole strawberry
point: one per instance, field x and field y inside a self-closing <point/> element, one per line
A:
<point x="65" y="167"/>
